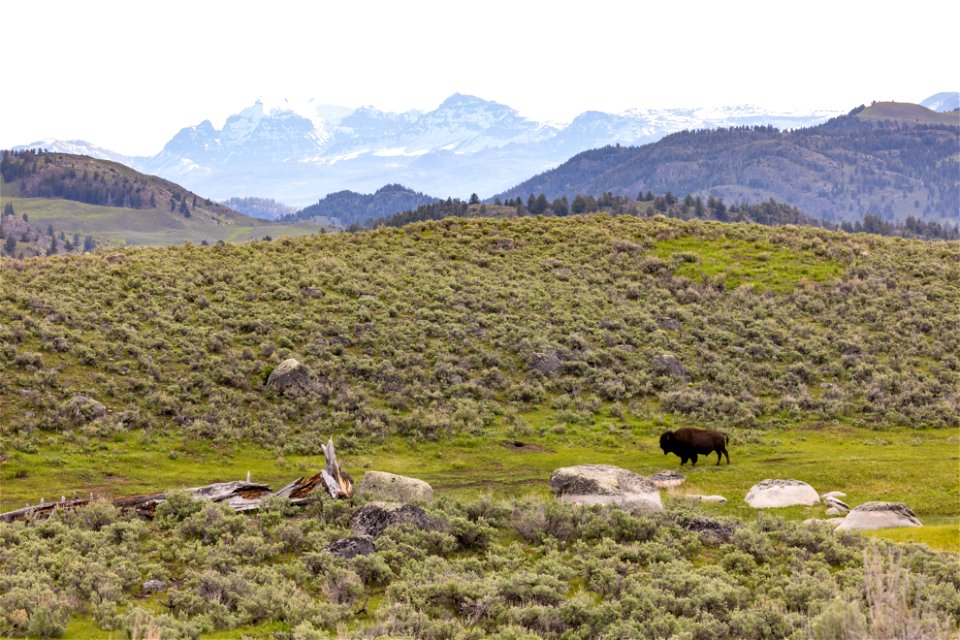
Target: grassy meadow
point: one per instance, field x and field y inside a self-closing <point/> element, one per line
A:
<point x="480" y="355"/>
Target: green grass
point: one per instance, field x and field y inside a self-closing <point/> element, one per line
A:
<point x="917" y="467"/>
<point x="147" y="227"/>
<point x="744" y="262"/>
<point x="945" y="537"/>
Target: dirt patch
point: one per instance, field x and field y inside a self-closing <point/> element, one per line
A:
<point x="517" y="445"/>
<point x="774" y="460"/>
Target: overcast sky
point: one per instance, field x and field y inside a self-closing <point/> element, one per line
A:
<point x="127" y="75"/>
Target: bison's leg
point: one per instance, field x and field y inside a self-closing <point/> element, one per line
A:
<point x="724" y="453"/>
<point x="683" y="460"/>
<point x="693" y="458"/>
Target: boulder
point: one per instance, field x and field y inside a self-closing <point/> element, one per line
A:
<point x="833" y="494"/>
<point x="879" y="515"/>
<point x="351" y="547"/>
<point x="153" y="586"/>
<point x="781" y="493"/>
<point x="833" y="511"/>
<point x="709" y="529"/>
<point x="381" y="485"/>
<point x="668" y="365"/>
<point x="549" y="363"/>
<point x="290" y="376"/>
<point x="587" y="484"/>
<point x="664" y="479"/>
<point x="374" y="517"/>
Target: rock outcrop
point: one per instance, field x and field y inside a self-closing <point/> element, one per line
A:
<point x="291" y="377"/>
<point x="781" y="493"/>
<point x="381" y="485"/>
<point x="351" y="547"/>
<point x="588" y="484"/>
<point x="373" y="518"/>
<point x="879" y="515"/>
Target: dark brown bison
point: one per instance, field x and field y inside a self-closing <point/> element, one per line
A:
<point x="689" y="443"/>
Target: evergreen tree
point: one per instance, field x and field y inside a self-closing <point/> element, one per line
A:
<point x="10" y="245"/>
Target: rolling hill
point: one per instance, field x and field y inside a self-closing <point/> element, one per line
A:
<point x="893" y="160"/>
<point x="108" y="200"/>
<point x="480" y="355"/>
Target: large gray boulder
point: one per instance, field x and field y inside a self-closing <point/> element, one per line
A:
<point x="291" y="377"/>
<point x="879" y="515"/>
<point x="588" y="484"/>
<point x="373" y="518"/>
<point x="381" y="485"/>
<point x="781" y="493"/>
<point x="547" y="363"/>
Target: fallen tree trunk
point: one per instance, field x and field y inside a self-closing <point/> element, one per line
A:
<point x="241" y="495"/>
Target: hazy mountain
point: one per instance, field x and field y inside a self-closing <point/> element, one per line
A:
<point x="946" y="101"/>
<point x="297" y="153"/>
<point x="264" y="208"/>
<point x="890" y="159"/>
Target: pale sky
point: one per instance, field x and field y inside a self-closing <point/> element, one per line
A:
<point x="127" y="75"/>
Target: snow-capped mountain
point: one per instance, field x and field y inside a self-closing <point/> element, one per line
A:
<point x="297" y="153"/>
<point x="83" y="148"/>
<point x="943" y="102"/>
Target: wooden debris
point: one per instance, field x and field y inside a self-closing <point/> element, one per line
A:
<point x="241" y="495"/>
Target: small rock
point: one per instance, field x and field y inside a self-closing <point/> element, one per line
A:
<point x="588" y="484"/>
<point x="153" y="586"/>
<point x="388" y="486"/>
<point x="837" y="504"/>
<point x="708" y="528"/>
<point x="781" y="493"/>
<point x="712" y="499"/>
<point x="374" y="517"/>
<point x="879" y="515"/>
<point x="290" y="376"/>
<point x="833" y="511"/>
<point x="833" y="494"/>
<point x="351" y="547"/>
<point x="664" y="479"/>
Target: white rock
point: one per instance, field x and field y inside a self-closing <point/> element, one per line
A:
<point x="708" y="499"/>
<point x="588" y="484"/>
<point x="388" y="486"/>
<point x="879" y="515"/>
<point x="834" y="494"/>
<point x="664" y="479"/>
<point x="781" y="493"/>
<point x="833" y="511"/>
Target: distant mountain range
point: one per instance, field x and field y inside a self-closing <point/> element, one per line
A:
<point x="891" y="159"/>
<point x="298" y="153"/>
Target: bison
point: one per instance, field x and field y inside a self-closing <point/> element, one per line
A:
<point x="688" y="443"/>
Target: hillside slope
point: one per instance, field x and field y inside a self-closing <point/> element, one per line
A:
<point x="439" y="328"/>
<point x="79" y="194"/>
<point x="889" y="159"/>
<point x="350" y="207"/>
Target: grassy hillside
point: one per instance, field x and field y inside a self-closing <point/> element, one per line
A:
<point x="907" y="113"/>
<point x="481" y="354"/>
<point x="123" y="225"/>
<point x="116" y="204"/>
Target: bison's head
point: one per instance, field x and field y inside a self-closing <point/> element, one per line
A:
<point x="666" y="442"/>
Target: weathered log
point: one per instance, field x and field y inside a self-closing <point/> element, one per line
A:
<point x="240" y="495"/>
<point x="339" y="483"/>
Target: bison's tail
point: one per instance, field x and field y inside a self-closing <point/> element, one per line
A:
<point x="726" y="438"/>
